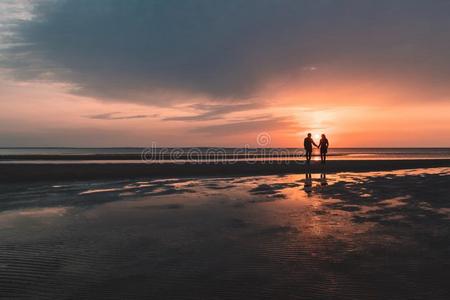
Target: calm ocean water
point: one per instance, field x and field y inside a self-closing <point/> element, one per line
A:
<point x="66" y="154"/>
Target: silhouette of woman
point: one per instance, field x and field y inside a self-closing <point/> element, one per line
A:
<point x="323" y="145"/>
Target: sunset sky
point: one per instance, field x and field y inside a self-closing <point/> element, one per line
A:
<point x="110" y="73"/>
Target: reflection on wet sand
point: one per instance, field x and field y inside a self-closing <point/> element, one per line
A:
<point x="323" y="179"/>
<point x="308" y="182"/>
<point x="311" y="236"/>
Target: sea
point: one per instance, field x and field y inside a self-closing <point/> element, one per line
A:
<point x="140" y="154"/>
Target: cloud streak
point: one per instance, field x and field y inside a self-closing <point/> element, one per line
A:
<point x="117" y="116"/>
<point x="258" y="125"/>
<point x="213" y="111"/>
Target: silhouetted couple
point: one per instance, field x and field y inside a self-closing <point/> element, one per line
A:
<point x="323" y="146"/>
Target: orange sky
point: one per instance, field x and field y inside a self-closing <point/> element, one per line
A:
<point x="42" y="114"/>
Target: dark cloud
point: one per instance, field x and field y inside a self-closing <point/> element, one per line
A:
<point x="118" y="116"/>
<point x="139" y="49"/>
<point x="213" y="111"/>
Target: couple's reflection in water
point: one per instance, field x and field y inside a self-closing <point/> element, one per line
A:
<point x="309" y="182"/>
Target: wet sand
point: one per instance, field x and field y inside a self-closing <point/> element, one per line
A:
<point x="346" y="235"/>
<point x="33" y="172"/>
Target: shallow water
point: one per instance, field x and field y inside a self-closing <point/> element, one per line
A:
<point x="348" y="235"/>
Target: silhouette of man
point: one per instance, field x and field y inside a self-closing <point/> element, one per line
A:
<point x="308" y="145"/>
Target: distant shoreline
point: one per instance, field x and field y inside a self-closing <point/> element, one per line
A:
<point x="119" y="156"/>
<point x="39" y="172"/>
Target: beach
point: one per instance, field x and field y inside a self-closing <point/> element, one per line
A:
<point x="351" y="230"/>
<point x="62" y="171"/>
